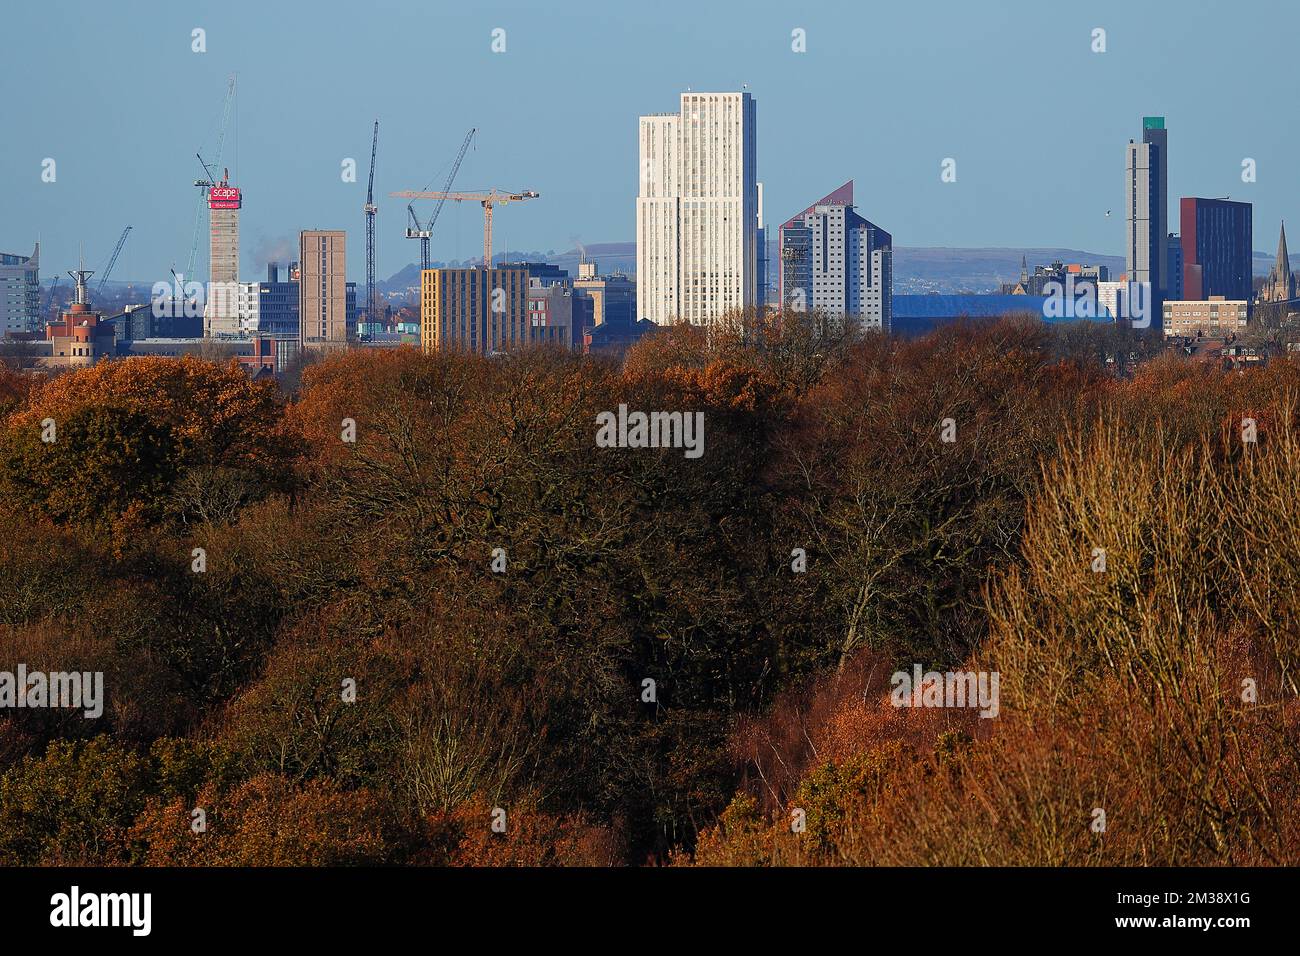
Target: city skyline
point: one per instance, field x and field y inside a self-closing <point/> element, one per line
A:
<point x="770" y="437"/>
<point x="1017" y="69"/>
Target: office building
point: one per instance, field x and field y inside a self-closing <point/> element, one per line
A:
<point x="170" y="321"/>
<point x="474" y="310"/>
<point x="613" y="297"/>
<point x="557" y="313"/>
<point x="277" y="302"/>
<point x="20" y="293"/>
<point x="836" y="262"/>
<point x="1217" y="248"/>
<point x="322" y="288"/>
<point x="1146" y="207"/>
<point x="1213" y="316"/>
<point x="697" y="210"/>
<point x="250" y="294"/>
<point x="612" y="326"/>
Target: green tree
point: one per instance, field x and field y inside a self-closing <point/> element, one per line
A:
<point x="103" y="463"/>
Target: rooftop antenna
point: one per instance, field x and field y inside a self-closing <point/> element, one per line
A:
<point x="79" y="276"/>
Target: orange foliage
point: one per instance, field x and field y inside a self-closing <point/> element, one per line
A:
<point x="216" y="414"/>
<point x="531" y="838"/>
<point x="266" y="821"/>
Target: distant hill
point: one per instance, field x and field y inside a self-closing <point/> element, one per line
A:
<point x="1262" y="263"/>
<point x="609" y="256"/>
<point x="946" y="269"/>
<point x="983" y="270"/>
<point x="943" y="269"/>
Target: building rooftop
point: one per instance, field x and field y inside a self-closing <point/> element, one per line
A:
<point x="975" y="306"/>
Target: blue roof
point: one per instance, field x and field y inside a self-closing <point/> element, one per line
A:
<point x="975" y="306"/>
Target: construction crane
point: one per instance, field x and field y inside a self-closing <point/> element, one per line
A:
<point x="372" y="304"/>
<point x="49" y="299"/>
<point x="207" y="182"/>
<point x="112" y="260"/>
<point x="423" y="233"/>
<point x="488" y="200"/>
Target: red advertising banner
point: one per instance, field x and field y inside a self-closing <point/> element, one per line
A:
<point x="224" y="197"/>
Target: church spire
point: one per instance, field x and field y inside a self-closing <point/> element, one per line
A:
<point x="1284" y="284"/>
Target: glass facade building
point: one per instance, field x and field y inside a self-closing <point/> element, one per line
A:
<point x="1216" y="241"/>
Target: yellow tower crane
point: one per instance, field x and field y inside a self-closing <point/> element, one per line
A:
<point x="493" y="197"/>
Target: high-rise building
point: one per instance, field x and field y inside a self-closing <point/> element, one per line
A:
<point x="1147" y="208"/>
<point x="836" y="262"/>
<point x="322" y="288"/>
<point x="20" y="293"/>
<point x="221" y="313"/>
<point x="474" y="310"/>
<point x="1217" y="248"/>
<point x="697" y="210"/>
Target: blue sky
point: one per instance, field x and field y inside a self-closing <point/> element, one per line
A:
<point x="1036" y="121"/>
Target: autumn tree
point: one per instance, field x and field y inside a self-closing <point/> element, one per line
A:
<point x="101" y="463"/>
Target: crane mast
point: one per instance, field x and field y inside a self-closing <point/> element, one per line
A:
<point x="207" y="183"/>
<point x="424" y="233"/>
<point x="112" y="260"/>
<point x="372" y="304"/>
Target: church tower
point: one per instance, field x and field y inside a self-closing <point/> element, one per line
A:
<point x="1280" y="285"/>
